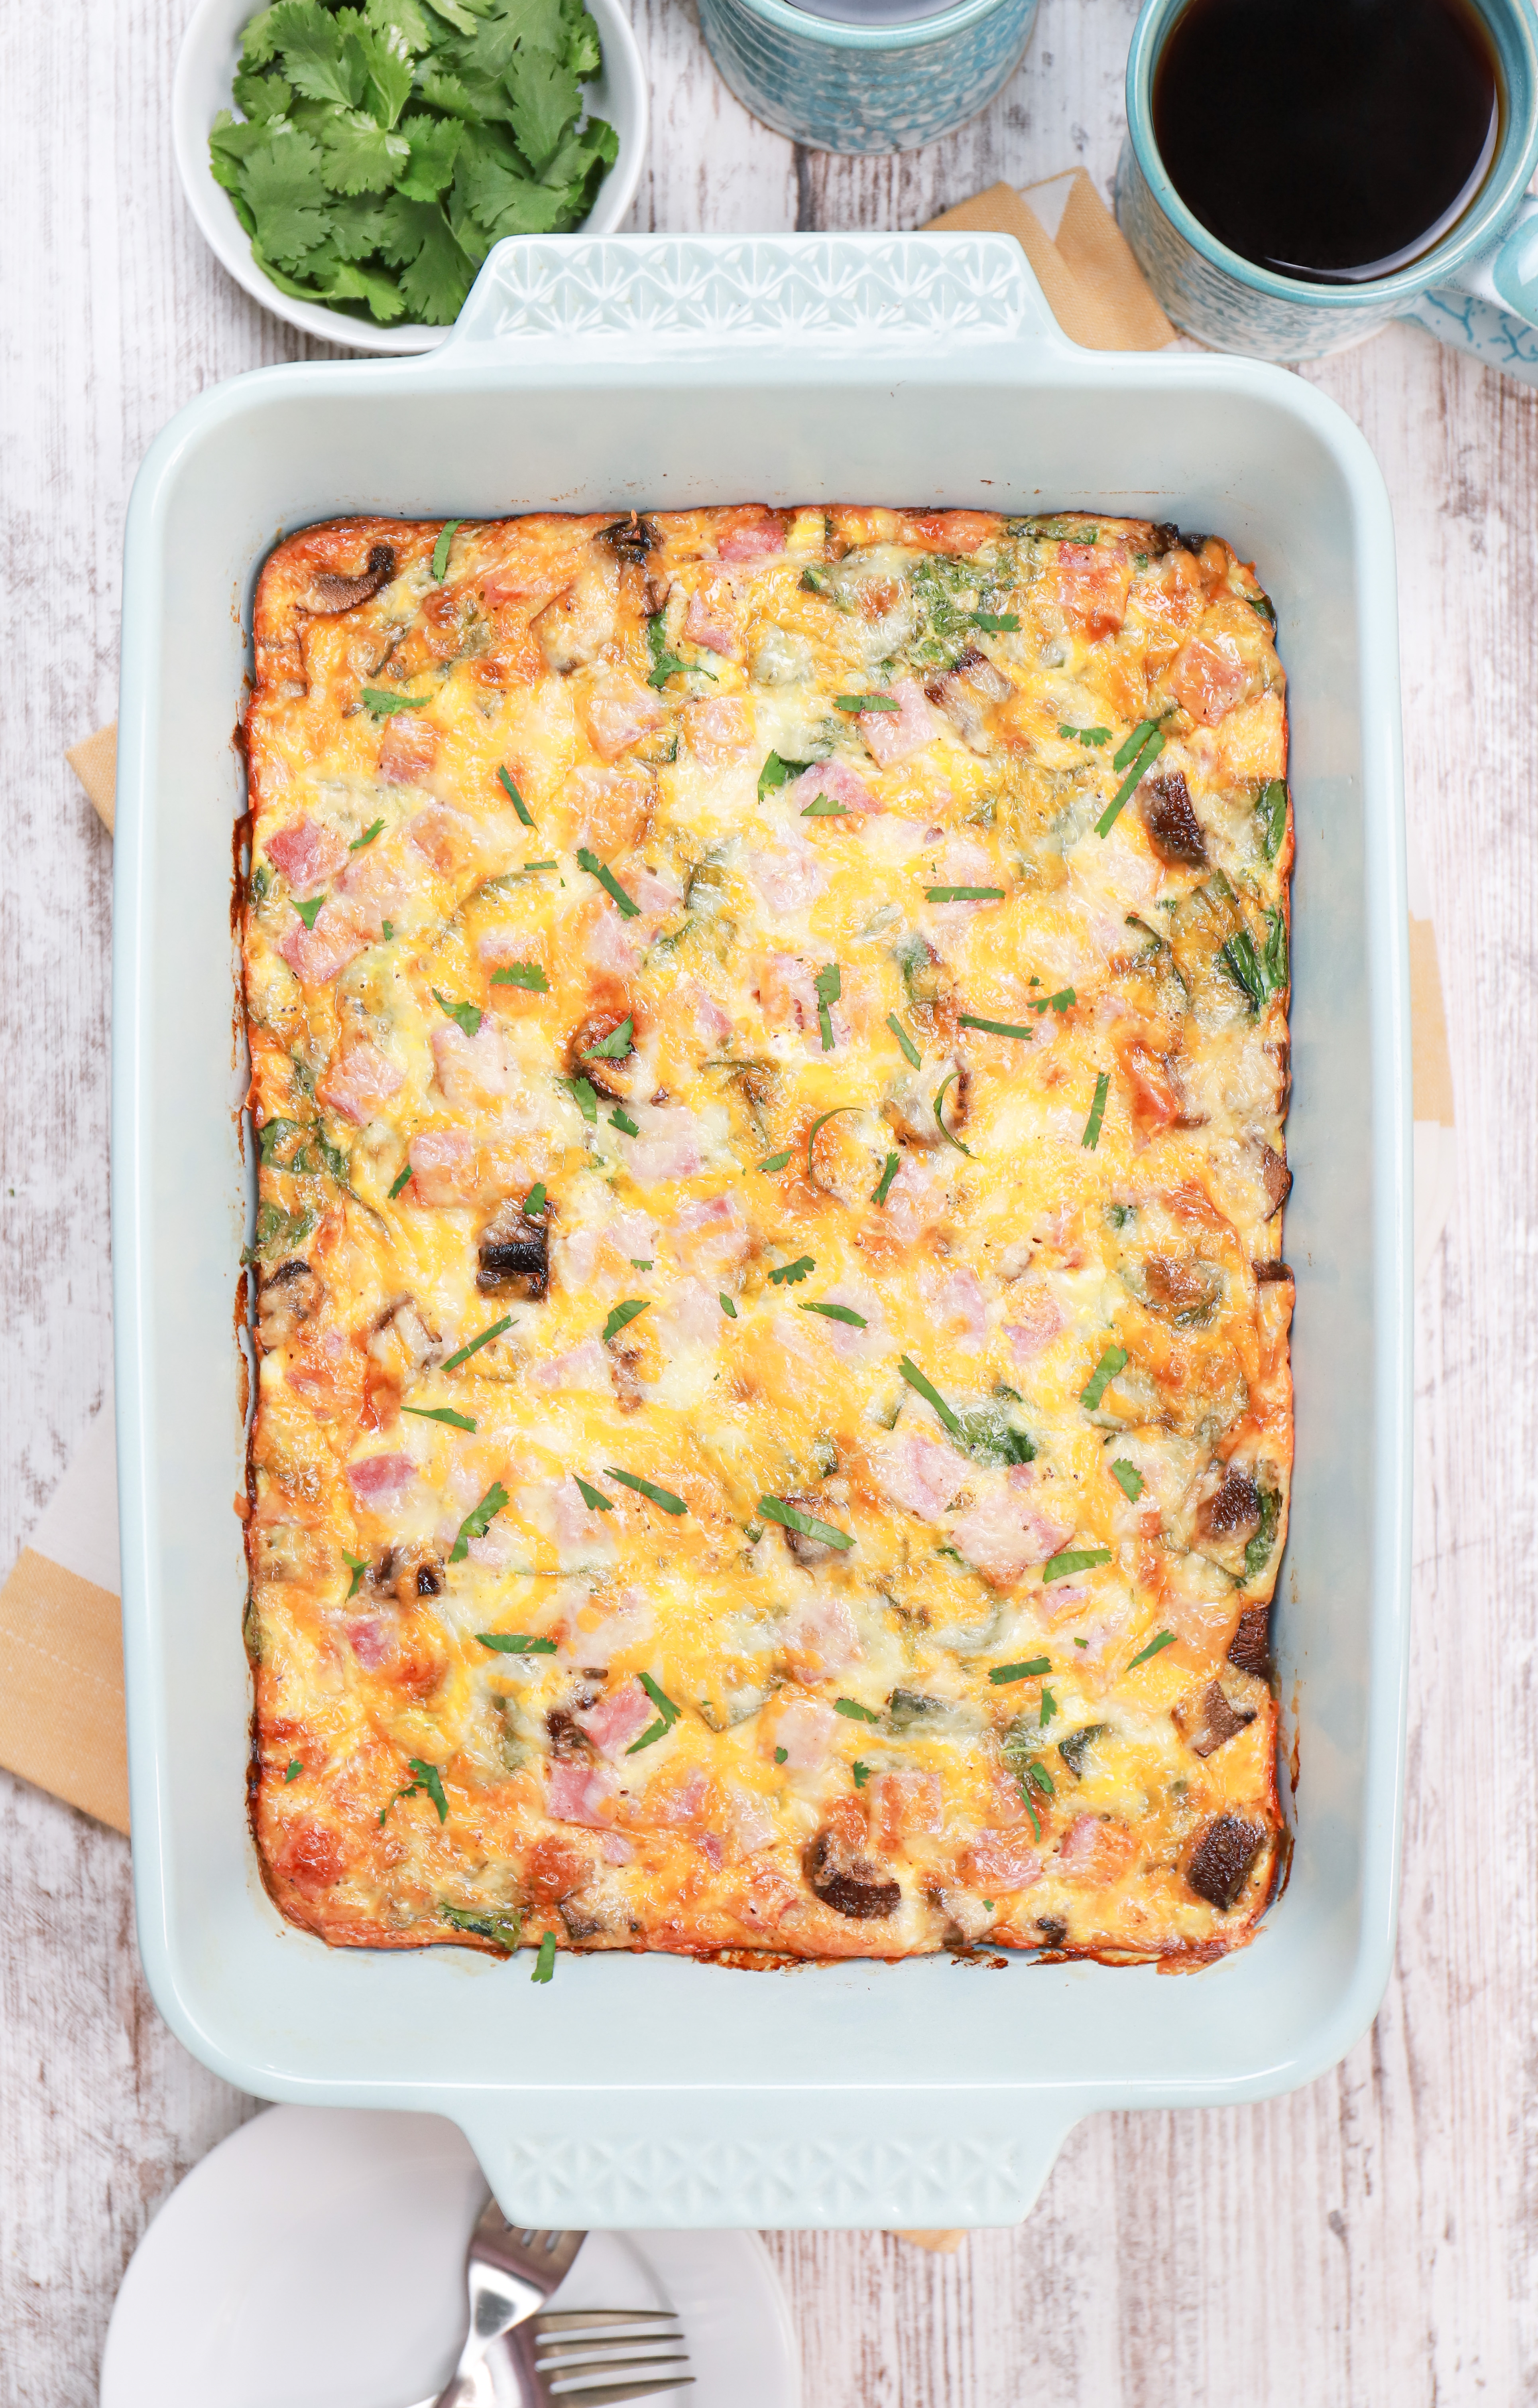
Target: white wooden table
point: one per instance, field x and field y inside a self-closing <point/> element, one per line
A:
<point x="1368" y="2241"/>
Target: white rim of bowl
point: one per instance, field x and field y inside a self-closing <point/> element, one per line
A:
<point x="227" y="238"/>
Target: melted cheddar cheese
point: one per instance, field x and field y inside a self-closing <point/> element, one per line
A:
<point x="773" y="1426"/>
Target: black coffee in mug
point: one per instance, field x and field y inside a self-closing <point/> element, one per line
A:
<point x="1333" y="140"/>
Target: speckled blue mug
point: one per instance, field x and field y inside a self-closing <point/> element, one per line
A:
<point x="875" y="84"/>
<point x="1478" y="289"/>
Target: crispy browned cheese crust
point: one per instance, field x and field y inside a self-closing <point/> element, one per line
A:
<point x="774" y="1419"/>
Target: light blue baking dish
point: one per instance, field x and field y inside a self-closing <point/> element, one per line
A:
<point x="652" y="372"/>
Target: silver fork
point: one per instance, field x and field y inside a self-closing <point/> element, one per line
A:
<point x="509" y="2275"/>
<point x="560" y="2350"/>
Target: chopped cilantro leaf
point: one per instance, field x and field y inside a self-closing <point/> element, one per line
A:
<point x="662" y="1497"/>
<point x="534" y="1203"/>
<point x="839" y="1312"/>
<point x="621" y="1120"/>
<point x="1165" y="1638"/>
<point x="1111" y="1362"/>
<point x="664" y="663"/>
<point x="931" y="1395"/>
<point x="995" y="1027"/>
<point x="440" y="550"/>
<point x="381" y="705"/>
<point x="1097" y="1111"/>
<point x="519" y="805"/>
<point x="593" y="1498"/>
<point x="584" y="1095"/>
<point x="862" y="1773"/>
<point x="606" y="879"/>
<point x="775" y="1162"/>
<point x="514" y="1643"/>
<point x="367" y="837"/>
<point x="468" y="1016"/>
<point x="781" y="1754"/>
<point x="1085" y="735"/>
<point x="791" y="1517"/>
<point x="822" y="807"/>
<point x="616" y="1045"/>
<point x="883" y="1187"/>
<point x="479" y="1521"/>
<point x="829" y="985"/>
<point x="1074" y="1560"/>
<point x="1127" y="1479"/>
<point x="939" y="1115"/>
<point x="996" y="623"/>
<point x="622" y="1315"/>
<point x="309" y="908"/>
<point x="727" y="1306"/>
<point x="545" y="1962"/>
<point x="776" y="771"/>
<point x="528" y="975"/>
<point x="1029" y="1671"/>
<point x="910" y="1051"/>
<point x="477" y="1343"/>
<point x="440" y="1414"/>
<point x="787" y="1274"/>
<point x="296" y="1767"/>
<point x="1274" y="811"/>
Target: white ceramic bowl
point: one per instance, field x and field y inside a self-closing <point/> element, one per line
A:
<point x="210" y="51"/>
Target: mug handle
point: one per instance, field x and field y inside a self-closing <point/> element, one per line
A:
<point x="1489" y="307"/>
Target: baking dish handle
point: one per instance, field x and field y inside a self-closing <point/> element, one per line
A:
<point x="652" y="297"/>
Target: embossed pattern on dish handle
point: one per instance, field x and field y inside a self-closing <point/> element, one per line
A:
<point x="652" y="294"/>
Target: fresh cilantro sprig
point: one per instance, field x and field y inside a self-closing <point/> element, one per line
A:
<point x="806" y="1525"/>
<point x="479" y="1521"/>
<point x="379" y="153"/>
<point x="667" y="1714"/>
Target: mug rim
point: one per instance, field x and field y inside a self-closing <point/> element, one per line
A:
<point x="912" y="34"/>
<point x="1481" y="223"/>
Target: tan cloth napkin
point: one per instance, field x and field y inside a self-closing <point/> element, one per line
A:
<point x="1093" y="285"/>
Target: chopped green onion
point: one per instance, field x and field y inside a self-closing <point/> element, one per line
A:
<point x="520" y="807"/>
<point x="622" y="1315"/>
<point x="939" y="1100"/>
<point x="883" y="1187"/>
<point x="931" y="1395"/>
<point x="1074" y="1560"/>
<point x="606" y="879"/>
<point x="667" y="1714"/>
<point x="1136" y="741"/>
<point x="479" y="1521"/>
<point x="829" y="984"/>
<point x="662" y="1497"/>
<point x="440" y="1414"/>
<point x="1097" y="1111"/>
<point x="1127" y="1479"/>
<point x="910" y="1049"/>
<point x="1165" y="1638"/>
<point x="791" y="1517"/>
<point x="477" y="1343"/>
<point x="524" y="974"/>
<point x="440" y="550"/>
<point x="964" y="893"/>
<point x="514" y="1643"/>
<point x="1112" y="1361"/>
<point x="1274" y="807"/>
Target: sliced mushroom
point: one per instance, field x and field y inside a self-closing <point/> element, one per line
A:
<point x="964" y="693"/>
<point x="631" y="540"/>
<point x="1219" y="1866"/>
<point x="1187" y="1290"/>
<point x="1275" y="1179"/>
<point x="402" y="1322"/>
<point x="806" y="1551"/>
<point x="1250" y="1649"/>
<point x="1268" y="1274"/>
<point x="574" y="629"/>
<point x="1231" y="1511"/>
<point x="850" y="1885"/>
<point x="1175" y="831"/>
<point x="286" y="1297"/>
<point x="1207" y="1720"/>
<point x="514" y="1256"/>
<point x="329" y="593"/>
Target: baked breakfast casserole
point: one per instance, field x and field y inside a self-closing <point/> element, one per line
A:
<point x="768" y="1037"/>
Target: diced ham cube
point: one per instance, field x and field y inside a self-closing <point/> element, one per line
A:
<point x="1005" y="1860"/>
<point x="380" y="1481"/>
<point x="718" y="729"/>
<point x="471" y="1069"/>
<point x="372" y="1639"/>
<point x="1006" y="1532"/>
<point x="900" y="1804"/>
<point x="821" y="1639"/>
<point x="805" y="1731"/>
<point x="670" y="1146"/>
<point x="1208" y="676"/>
<point x="713" y="1237"/>
<point x="584" y="1371"/>
<point x="618" y="713"/>
<point x="787" y="996"/>
<point x="754" y="539"/>
<point x="915" y="1199"/>
<point x="960" y="1306"/>
<point x="611" y="946"/>
<point x="892" y="735"/>
<point x="683" y="1801"/>
<point x="409" y="748"/>
<point x="316" y="955"/>
<point x="593" y="1642"/>
<point x="609" y="807"/>
<point x="919" y="1475"/>
<point x="308" y="855"/>
<point x="443" y="1167"/>
<point x="693" y="1312"/>
<point x="358" y="1082"/>
<point x="1094" y="1850"/>
<point x="950" y="530"/>
<point x="752" y="1825"/>
<point x="835" y="779"/>
<point x="614" y="1848"/>
<point x="577" y="1792"/>
<point x="1093" y="582"/>
<point x="710" y="621"/>
<point x="617" y="1718"/>
<point x="788" y="878"/>
<point x="1038" y="1319"/>
<point x="653" y="893"/>
<point x="448" y="839"/>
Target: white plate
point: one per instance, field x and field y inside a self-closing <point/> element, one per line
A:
<point x="206" y="65"/>
<point x="315" y="2260"/>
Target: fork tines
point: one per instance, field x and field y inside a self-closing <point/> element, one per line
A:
<point x="575" y="2345"/>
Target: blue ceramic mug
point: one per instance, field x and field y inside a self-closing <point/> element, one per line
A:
<point x="863" y="75"/>
<point x="1476" y="289"/>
